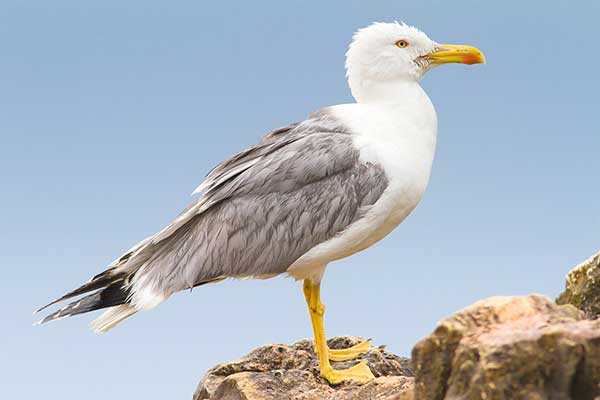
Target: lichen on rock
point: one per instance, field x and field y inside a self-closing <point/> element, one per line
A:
<point x="583" y="287"/>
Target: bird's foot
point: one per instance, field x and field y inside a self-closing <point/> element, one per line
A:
<point x="359" y="373"/>
<point x="350" y="353"/>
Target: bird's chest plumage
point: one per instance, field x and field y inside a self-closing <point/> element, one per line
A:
<point x="402" y="140"/>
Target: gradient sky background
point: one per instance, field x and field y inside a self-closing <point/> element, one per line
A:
<point x="111" y="114"/>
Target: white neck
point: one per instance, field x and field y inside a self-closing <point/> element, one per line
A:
<point x="393" y="91"/>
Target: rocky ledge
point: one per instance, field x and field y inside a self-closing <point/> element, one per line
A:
<point x="501" y="348"/>
<point x="513" y="348"/>
<point x="282" y="372"/>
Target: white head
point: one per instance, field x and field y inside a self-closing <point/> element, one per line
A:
<point x="386" y="52"/>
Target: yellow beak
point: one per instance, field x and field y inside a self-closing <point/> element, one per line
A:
<point x="450" y="53"/>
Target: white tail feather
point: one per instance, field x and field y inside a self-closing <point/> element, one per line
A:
<point x="112" y="317"/>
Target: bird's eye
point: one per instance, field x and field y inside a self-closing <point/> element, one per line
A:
<point x="402" y="43"/>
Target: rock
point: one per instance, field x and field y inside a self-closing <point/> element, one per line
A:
<point x="583" y="287"/>
<point x="513" y="348"/>
<point x="282" y="372"/>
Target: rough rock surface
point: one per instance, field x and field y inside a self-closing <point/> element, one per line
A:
<point x="281" y="372"/>
<point x="513" y="348"/>
<point x="583" y="287"/>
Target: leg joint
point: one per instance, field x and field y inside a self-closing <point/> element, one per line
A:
<point x="318" y="309"/>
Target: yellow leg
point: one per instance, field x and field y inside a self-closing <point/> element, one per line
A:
<point x="360" y="372"/>
<point x="350" y="353"/>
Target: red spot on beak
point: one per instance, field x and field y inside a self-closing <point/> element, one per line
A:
<point x="470" y="59"/>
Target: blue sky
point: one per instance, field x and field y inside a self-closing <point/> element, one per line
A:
<point x="112" y="112"/>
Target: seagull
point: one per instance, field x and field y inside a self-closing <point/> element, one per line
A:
<point x="307" y="194"/>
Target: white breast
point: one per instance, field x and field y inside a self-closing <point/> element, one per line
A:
<point x="399" y="137"/>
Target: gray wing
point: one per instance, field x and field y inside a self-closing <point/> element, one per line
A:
<point x="263" y="209"/>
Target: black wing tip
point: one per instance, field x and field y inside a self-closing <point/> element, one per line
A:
<point x="60" y="299"/>
<point x="67" y="311"/>
<point x="52" y="317"/>
<point x="113" y="295"/>
<point x="102" y="280"/>
<point x="46" y="306"/>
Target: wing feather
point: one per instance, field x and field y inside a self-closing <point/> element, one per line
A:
<point x="262" y="209"/>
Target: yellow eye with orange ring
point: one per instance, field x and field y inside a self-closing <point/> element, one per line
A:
<point x="402" y="43"/>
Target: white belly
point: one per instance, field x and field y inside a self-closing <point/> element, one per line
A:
<point x="401" y="141"/>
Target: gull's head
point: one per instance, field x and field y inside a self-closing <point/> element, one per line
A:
<point x="386" y="52"/>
